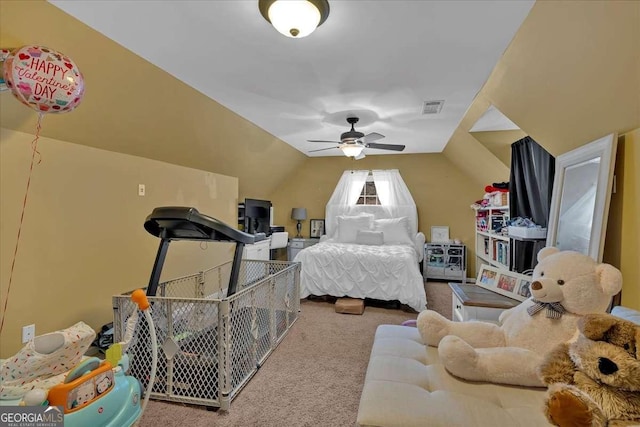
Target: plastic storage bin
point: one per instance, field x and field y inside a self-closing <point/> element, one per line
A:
<point x="527" y="232"/>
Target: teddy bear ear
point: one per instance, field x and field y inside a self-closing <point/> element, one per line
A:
<point x="546" y="251"/>
<point x="610" y="279"/>
<point x="595" y="326"/>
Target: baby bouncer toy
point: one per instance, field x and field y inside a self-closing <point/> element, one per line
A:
<point x="99" y="392"/>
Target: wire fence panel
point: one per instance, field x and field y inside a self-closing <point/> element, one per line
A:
<point x="211" y="345"/>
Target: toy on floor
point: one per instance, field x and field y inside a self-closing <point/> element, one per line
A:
<point x="44" y="361"/>
<point x="97" y="392"/>
<point x="595" y="379"/>
<point x="565" y="285"/>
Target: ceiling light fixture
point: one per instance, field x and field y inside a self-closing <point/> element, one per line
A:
<point x="352" y="150"/>
<point x="294" y="18"/>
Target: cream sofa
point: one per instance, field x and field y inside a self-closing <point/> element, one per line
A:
<point x="407" y="386"/>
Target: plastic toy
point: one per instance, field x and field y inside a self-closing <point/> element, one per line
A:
<point x="95" y="393"/>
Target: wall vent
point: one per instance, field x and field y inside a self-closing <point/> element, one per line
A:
<point x="432" y="107"/>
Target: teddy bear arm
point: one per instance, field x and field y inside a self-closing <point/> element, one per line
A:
<point x="557" y="366"/>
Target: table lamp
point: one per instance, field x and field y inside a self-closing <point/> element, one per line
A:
<point x="299" y="214"/>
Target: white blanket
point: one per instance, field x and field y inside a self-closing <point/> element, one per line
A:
<point x="386" y="272"/>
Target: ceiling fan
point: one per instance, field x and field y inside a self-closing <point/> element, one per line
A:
<point x="352" y="143"/>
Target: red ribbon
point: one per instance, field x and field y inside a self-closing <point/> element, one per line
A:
<point x="34" y="152"/>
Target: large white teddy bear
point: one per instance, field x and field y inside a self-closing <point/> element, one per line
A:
<point x="565" y="285"/>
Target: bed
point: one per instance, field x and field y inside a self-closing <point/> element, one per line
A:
<point x="367" y="256"/>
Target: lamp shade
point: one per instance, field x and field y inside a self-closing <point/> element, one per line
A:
<point x="299" y="214"/>
<point x="352" y="150"/>
<point x="294" y="18"/>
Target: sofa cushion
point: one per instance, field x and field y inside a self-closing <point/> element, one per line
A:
<point x="406" y="385"/>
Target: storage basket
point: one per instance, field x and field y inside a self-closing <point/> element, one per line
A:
<point x="499" y="198"/>
<point x="210" y="345"/>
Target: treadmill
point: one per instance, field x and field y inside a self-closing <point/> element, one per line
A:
<point x="185" y="223"/>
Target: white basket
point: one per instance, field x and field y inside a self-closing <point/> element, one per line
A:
<point x="527" y="232"/>
<point x="221" y="341"/>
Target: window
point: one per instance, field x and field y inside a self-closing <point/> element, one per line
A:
<point x="369" y="195"/>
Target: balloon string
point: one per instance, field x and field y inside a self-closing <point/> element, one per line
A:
<point x="34" y="152"/>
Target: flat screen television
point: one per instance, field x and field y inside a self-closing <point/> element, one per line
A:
<point x="257" y="216"/>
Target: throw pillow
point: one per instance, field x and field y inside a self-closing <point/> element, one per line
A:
<point x="395" y="230"/>
<point x="365" y="237"/>
<point x="348" y="227"/>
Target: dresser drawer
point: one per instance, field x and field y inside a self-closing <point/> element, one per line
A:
<point x="297" y="244"/>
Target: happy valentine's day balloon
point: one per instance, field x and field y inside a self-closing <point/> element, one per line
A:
<point x="43" y="79"/>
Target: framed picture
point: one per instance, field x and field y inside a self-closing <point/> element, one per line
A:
<point x="440" y="234"/>
<point x="524" y="288"/>
<point x="487" y="277"/>
<point x="317" y="228"/>
<point x="507" y="283"/>
<point x="513" y="285"/>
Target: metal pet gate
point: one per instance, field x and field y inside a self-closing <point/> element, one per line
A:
<point x="215" y="327"/>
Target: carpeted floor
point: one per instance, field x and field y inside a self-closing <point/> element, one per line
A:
<point x="313" y="378"/>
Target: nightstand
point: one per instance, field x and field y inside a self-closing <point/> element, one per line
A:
<point x="298" y="244"/>
<point x="471" y="302"/>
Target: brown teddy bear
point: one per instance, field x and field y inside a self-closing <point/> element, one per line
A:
<point x="595" y="379"/>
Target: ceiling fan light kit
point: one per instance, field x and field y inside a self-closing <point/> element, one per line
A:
<point x="352" y="150"/>
<point x="352" y="142"/>
<point x="294" y="18"/>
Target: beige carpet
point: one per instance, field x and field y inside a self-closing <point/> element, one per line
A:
<point x="313" y="378"/>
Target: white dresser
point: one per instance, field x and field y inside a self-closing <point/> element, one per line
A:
<point x="258" y="250"/>
<point x="471" y="302"/>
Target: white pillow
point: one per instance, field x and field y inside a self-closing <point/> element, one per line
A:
<point x="348" y="227"/>
<point x="395" y="230"/>
<point x="364" y="237"/>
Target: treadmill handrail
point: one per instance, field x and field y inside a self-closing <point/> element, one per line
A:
<point x="186" y="223"/>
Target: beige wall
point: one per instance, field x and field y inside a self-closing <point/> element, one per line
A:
<point x="499" y="142"/>
<point x="443" y="194"/>
<point x="622" y="243"/>
<point x="82" y="237"/>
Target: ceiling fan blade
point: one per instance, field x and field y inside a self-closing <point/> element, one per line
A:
<point x="321" y="140"/>
<point x="373" y="136"/>
<point x="393" y="147"/>
<point x="322" y="149"/>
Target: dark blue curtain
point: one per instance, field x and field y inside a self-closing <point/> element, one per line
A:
<point x="530" y="190"/>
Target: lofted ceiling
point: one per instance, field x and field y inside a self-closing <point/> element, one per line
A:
<point x="378" y="60"/>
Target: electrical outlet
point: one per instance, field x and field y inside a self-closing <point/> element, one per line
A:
<point x="141" y="189"/>
<point x="28" y="333"/>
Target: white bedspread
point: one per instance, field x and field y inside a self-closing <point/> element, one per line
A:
<point x="386" y="272"/>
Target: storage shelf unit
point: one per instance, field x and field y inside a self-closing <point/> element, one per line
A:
<point x="445" y="261"/>
<point x="492" y="247"/>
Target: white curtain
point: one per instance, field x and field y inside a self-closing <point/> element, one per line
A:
<point x="346" y="194"/>
<point x="393" y="193"/>
<point x="395" y="197"/>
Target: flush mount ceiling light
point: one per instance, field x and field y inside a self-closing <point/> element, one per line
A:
<point x="351" y="150"/>
<point x="294" y="18"/>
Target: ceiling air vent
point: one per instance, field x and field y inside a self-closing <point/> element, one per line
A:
<point x="432" y="107"/>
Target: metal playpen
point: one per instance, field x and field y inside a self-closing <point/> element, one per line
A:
<point x="212" y="346"/>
